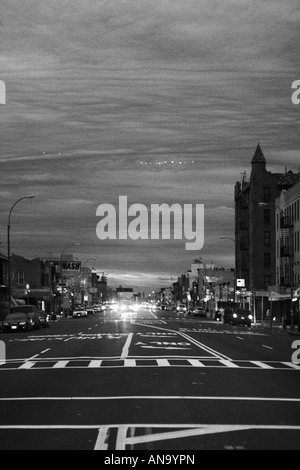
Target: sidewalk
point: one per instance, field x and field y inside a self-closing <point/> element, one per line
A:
<point x="278" y="327"/>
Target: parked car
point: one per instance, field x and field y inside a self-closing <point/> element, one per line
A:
<point x="19" y="321"/>
<point x="238" y="317"/>
<point x="32" y="311"/>
<point x="199" y="311"/>
<point x="80" y="312"/>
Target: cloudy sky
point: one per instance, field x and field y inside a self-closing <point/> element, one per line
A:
<point x="163" y="101"/>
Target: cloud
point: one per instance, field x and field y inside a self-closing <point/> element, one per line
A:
<point x="94" y="88"/>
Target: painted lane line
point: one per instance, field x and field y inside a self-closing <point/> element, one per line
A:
<point x="163" y="397"/>
<point x="33" y="357"/>
<point x="214" y="353"/>
<point x="126" y="348"/>
<point x="262" y="365"/>
<point x="101" y="439"/>
<point x="46" y="350"/>
<point x="121" y="438"/>
<point x="238" y="337"/>
<point x="267" y="347"/>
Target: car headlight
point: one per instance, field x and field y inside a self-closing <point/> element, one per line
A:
<point x="234" y="315"/>
<point x="5" y="324"/>
<point x="22" y="323"/>
<point x="250" y="317"/>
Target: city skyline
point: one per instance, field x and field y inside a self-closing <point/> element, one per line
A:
<point x="162" y="102"/>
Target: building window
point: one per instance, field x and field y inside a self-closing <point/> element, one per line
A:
<point x="267" y="216"/>
<point x="267" y="194"/>
<point x="267" y="282"/>
<point x="267" y="260"/>
<point x="21" y="278"/>
<point x="267" y="238"/>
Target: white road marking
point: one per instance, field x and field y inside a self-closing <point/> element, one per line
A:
<point x="33" y="357"/>
<point x="214" y="353"/>
<point x="268" y="347"/>
<point x="229" y="363"/>
<point x="46" y="350"/>
<point x="291" y="364"/>
<point x="61" y="364"/>
<point x="95" y="364"/>
<point x="121" y="438"/>
<point x="196" y="363"/>
<point x="143" y="397"/>
<point x="125" y="351"/>
<point x="261" y="364"/>
<point x="101" y="440"/>
<point x="129" y="363"/>
<point x="27" y="365"/>
<point x="238" y="337"/>
<point x="163" y="363"/>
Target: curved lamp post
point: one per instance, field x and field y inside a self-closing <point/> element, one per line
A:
<point x="31" y="196"/>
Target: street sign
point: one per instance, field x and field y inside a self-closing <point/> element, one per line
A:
<point x="241" y="283"/>
<point x="71" y="267"/>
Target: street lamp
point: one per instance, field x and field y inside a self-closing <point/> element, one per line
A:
<point x="31" y="196"/>
<point x="61" y="266"/>
<point x="85" y="280"/>
<point x="235" y="282"/>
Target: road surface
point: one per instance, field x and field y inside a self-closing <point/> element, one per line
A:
<point x="156" y="381"/>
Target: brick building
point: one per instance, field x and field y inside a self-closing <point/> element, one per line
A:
<point x="255" y="223"/>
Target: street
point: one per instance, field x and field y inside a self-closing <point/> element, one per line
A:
<point x="151" y="381"/>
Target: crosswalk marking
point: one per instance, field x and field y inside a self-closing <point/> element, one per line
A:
<point x="291" y="364"/>
<point x="61" y="364"/>
<point x="95" y="364"/>
<point x="263" y="365"/>
<point x="129" y="363"/>
<point x="163" y="363"/>
<point x="229" y="363"/>
<point x="196" y="363"/>
<point x="145" y="362"/>
<point x="27" y="365"/>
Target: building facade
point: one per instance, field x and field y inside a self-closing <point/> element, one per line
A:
<point x="287" y="287"/>
<point x="255" y="222"/>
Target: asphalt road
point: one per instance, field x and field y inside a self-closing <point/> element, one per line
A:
<point x="149" y="381"/>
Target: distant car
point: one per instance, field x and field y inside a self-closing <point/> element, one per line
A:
<point x="218" y="315"/>
<point x="80" y="312"/>
<point x="44" y="320"/>
<point x="90" y="311"/>
<point x="32" y="311"/>
<point x="181" y="308"/>
<point x="199" y="312"/>
<point x="17" y="322"/>
<point x="238" y="317"/>
<point x="98" y="308"/>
